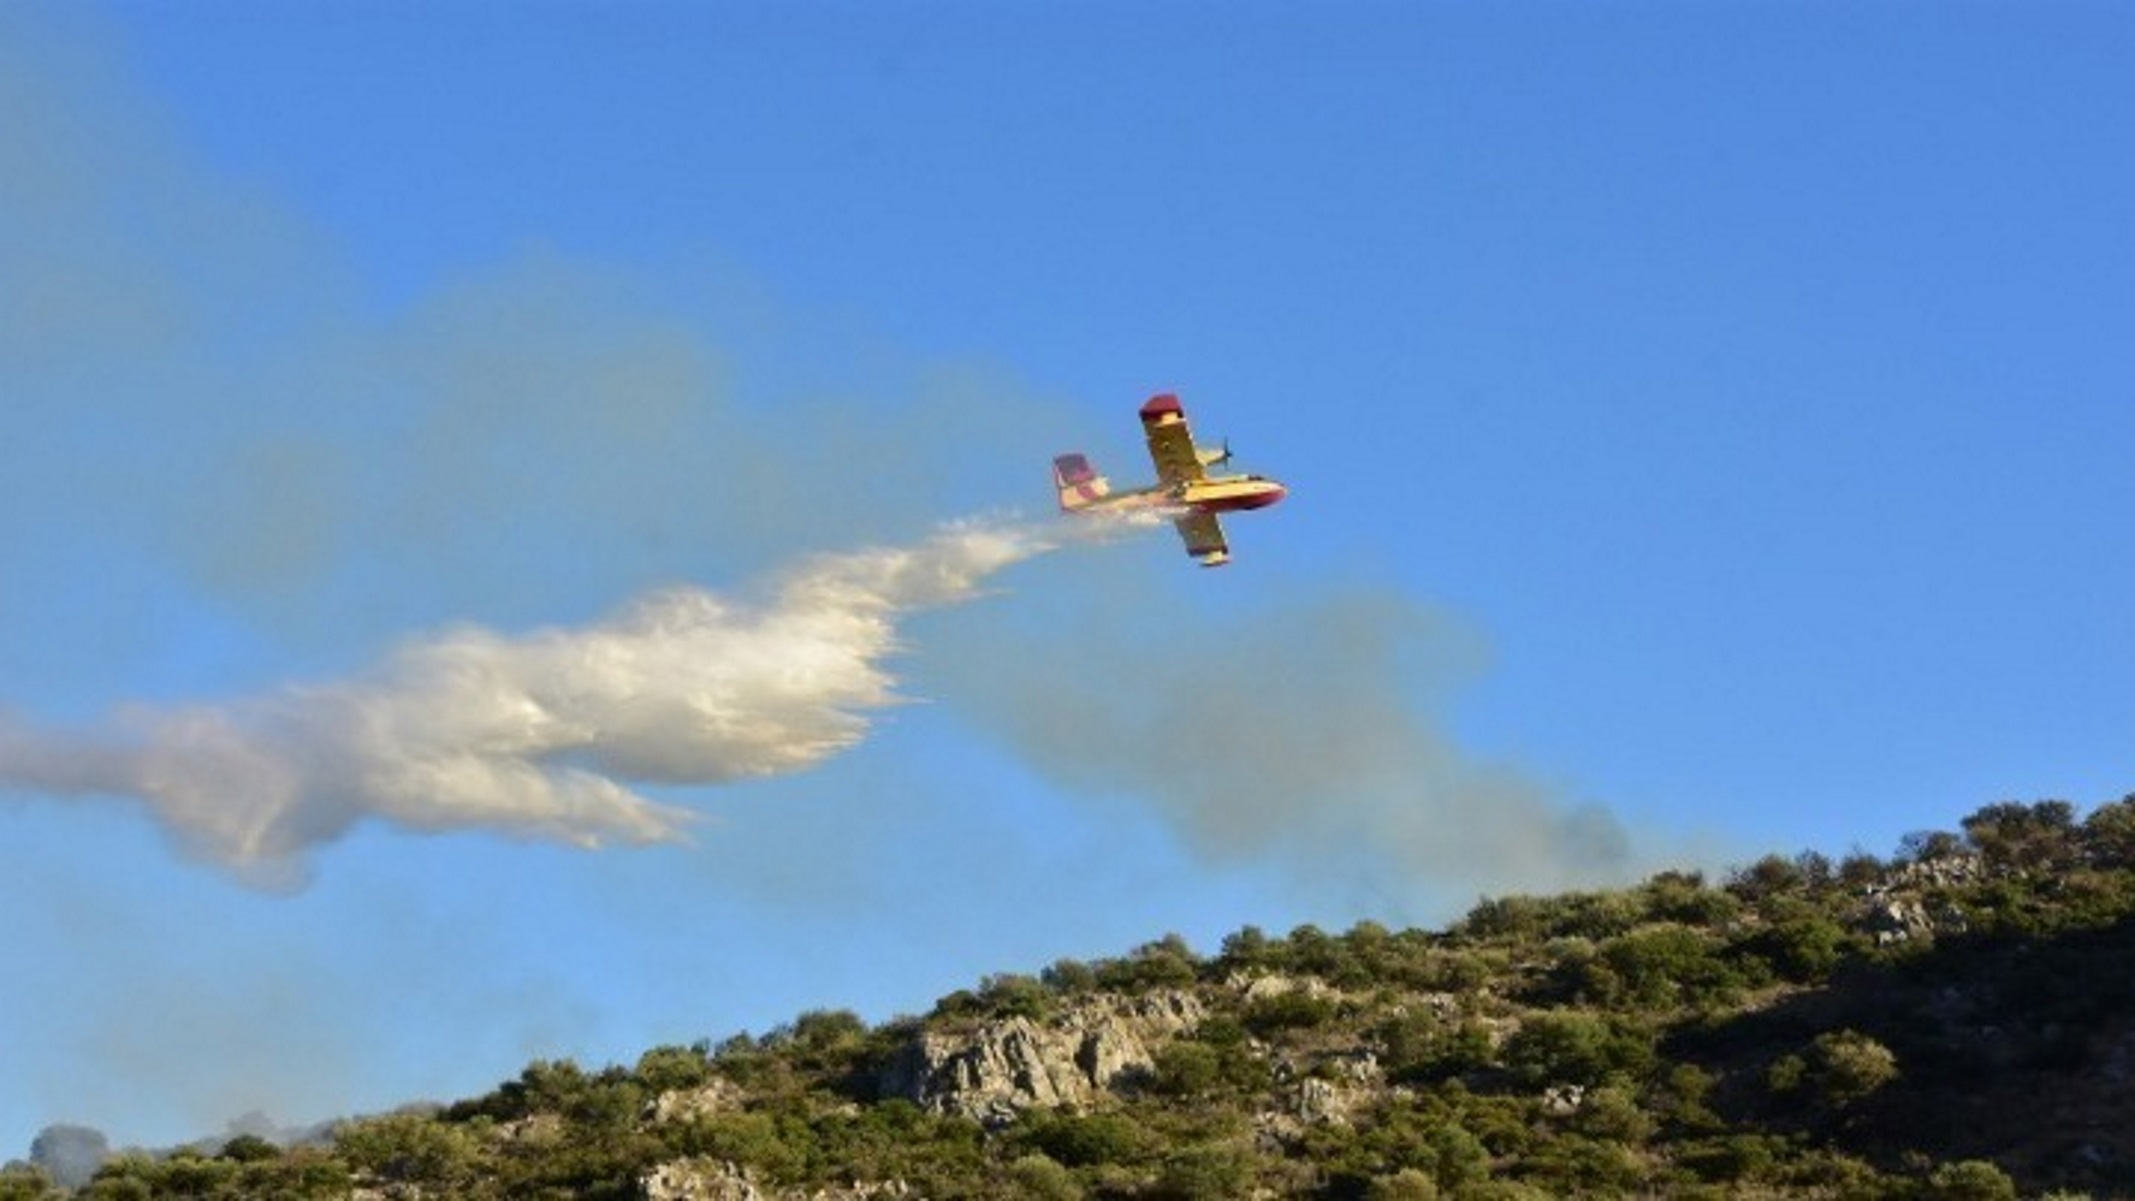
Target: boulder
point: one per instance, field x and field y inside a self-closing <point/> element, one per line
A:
<point x="1008" y="1065"/>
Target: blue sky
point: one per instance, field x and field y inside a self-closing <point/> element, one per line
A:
<point x="1708" y="430"/>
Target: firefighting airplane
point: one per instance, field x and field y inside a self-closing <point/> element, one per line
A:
<point x="1183" y="488"/>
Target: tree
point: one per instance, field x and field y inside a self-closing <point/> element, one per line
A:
<point x="2012" y="834"/>
<point x="1069" y="976"/>
<point x="1926" y="846"/>
<point x="25" y="1182"/>
<point x="2109" y="833"/>
<point x="669" y="1069"/>
<point x="1165" y="963"/>
<point x="408" y="1148"/>
<point x="249" y="1148"/>
<point x="1770" y="876"/>
<point x="1859" y="870"/>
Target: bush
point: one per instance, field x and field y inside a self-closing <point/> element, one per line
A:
<point x="1684" y="897"/>
<point x="1184" y="1069"/>
<point x="1732" y="1158"/>
<point x="1927" y="846"/>
<point x="1015" y="996"/>
<point x="407" y="1148"/>
<point x="1458" y="1158"/>
<point x="1838" y="1068"/>
<point x="1611" y="1114"/>
<point x="22" y="1182"/>
<point x="1512" y="918"/>
<point x="1670" y="965"/>
<point x="1089" y="1140"/>
<point x="1420" y="1050"/>
<point x="1679" y="1098"/>
<point x="2024" y="836"/>
<point x="1211" y="1172"/>
<point x="2109" y="834"/>
<point x="1042" y="1179"/>
<point x="1770" y="876"/>
<point x="1408" y="1184"/>
<point x="1570" y="1046"/>
<point x="1293" y="1010"/>
<point x="1069" y="977"/>
<point x="1846" y="1065"/>
<point x="1971" y="1180"/>
<point x="249" y="1148"/>
<point x="1805" y="949"/>
<point x="1166" y="963"/>
<point x="669" y="1069"/>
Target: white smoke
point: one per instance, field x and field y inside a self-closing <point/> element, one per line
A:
<point x="535" y="736"/>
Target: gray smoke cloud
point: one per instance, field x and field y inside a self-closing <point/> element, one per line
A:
<point x="538" y="735"/>
<point x="1308" y="733"/>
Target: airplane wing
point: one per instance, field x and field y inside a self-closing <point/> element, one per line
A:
<point x="1204" y="538"/>
<point x="1171" y="444"/>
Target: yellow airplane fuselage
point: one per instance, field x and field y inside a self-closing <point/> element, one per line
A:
<point x="1224" y="493"/>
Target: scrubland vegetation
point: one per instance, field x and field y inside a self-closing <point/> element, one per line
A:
<point x="1952" y="1022"/>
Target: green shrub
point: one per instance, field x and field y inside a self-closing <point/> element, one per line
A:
<point x="1184" y="1068"/>
<point x="23" y="1182"/>
<point x="1804" y="948"/>
<point x="1732" y="1158"/>
<point x="1971" y="1180"/>
<point x="1846" y="1065"/>
<point x="1571" y="1046"/>
<point x="1408" y="1184"/>
<point x="407" y="1148"/>
<point x="1297" y="1009"/>
<point x="1663" y="966"/>
<point x="1209" y="1172"/>
<point x="1043" y="1179"/>
<point x="1088" y="1140"/>
<point x="1837" y="1068"/>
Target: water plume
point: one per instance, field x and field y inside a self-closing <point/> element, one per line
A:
<point x="539" y="735"/>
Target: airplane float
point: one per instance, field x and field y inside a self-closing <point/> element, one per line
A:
<point x="1184" y="488"/>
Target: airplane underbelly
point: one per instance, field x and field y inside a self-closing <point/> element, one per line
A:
<point x="1226" y="498"/>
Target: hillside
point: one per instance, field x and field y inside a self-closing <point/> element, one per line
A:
<point x="1952" y="1022"/>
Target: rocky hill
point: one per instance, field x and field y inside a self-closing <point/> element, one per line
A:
<point x="1952" y="1022"/>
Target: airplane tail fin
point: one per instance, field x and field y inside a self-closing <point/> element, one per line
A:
<point x="1078" y="482"/>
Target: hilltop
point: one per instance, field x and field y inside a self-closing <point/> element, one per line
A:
<point x="1953" y="1021"/>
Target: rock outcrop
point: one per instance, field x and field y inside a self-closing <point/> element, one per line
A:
<point x="706" y="1100"/>
<point x="718" y="1180"/>
<point x="1891" y="921"/>
<point x="1068" y="1059"/>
